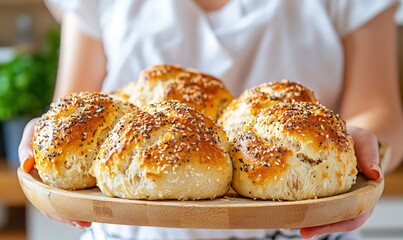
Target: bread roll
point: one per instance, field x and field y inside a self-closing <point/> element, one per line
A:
<point x="66" y="138"/>
<point x="167" y="150"/>
<point x="292" y="152"/>
<point x="250" y="102"/>
<point x="166" y="82"/>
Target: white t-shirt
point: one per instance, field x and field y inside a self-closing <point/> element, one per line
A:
<point x="245" y="43"/>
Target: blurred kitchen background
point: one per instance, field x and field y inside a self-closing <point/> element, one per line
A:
<point x="29" y="41"/>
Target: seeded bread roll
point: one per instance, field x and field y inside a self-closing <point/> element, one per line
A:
<point x="66" y="138"/>
<point x="250" y="102"/>
<point x="167" y="82"/>
<point x="165" y="151"/>
<point x="292" y="152"/>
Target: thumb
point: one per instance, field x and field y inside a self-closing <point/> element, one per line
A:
<point x="25" y="151"/>
<point x="367" y="152"/>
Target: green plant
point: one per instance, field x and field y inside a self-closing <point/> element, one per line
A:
<point x="27" y="82"/>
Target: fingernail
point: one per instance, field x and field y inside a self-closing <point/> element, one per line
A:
<point x="28" y="163"/>
<point x="377" y="170"/>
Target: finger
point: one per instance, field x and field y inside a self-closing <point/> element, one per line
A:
<point x="25" y="148"/>
<point x="345" y="226"/>
<point x="74" y="223"/>
<point x="367" y="152"/>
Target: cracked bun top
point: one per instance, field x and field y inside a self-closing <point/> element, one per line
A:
<point x="166" y="150"/>
<point x="67" y="136"/>
<point x="293" y="151"/>
<point x="250" y="102"/>
<point x="168" y="82"/>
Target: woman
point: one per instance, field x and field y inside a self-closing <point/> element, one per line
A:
<point x="343" y="49"/>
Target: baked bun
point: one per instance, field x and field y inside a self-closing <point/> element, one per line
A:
<point x="167" y="150"/>
<point x="293" y="151"/>
<point x="250" y="102"/>
<point x="67" y="137"/>
<point x="166" y="82"/>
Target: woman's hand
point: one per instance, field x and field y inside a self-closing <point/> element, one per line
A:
<point x="367" y="152"/>
<point x="27" y="164"/>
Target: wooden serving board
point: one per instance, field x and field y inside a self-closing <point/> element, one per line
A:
<point x="229" y="212"/>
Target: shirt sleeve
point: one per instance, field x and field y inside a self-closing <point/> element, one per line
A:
<point x="349" y="15"/>
<point x="86" y="12"/>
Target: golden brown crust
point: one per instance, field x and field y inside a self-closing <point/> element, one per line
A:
<point x="293" y="151"/>
<point x="70" y="127"/>
<point x="260" y="159"/>
<point x="310" y="122"/>
<point x="250" y="103"/>
<point x="201" y="91"/>
<point x="268" y="94"/>
<point x="160" y="72"/>
<point x="168" y="133"/>
<point x="287" y="91"/>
